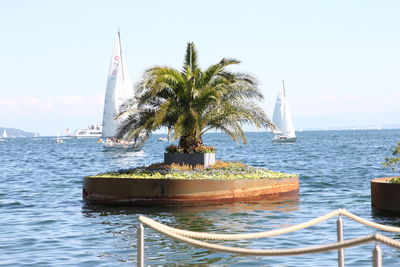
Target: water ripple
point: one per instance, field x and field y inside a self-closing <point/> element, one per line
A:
<point x="45" y="223"/>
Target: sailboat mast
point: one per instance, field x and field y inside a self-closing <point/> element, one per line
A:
<point x="120" y="55"/>
<point x="284" y="101"/>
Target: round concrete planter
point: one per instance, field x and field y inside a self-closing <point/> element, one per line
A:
<point x="385" y="197"/>
<point x="120" y="191"/>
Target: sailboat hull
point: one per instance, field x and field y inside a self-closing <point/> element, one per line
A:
<point x="124" y="146"/>
<point x="284" y="139"/>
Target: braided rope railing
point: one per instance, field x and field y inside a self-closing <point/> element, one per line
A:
<point x="377" y="226"/>
<point x="296" y="227"/>
<point x="283" y="252"/>
<point x="191" y="237"/>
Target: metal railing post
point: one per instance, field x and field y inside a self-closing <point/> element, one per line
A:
<point x="377" y="255"/>
<point x="140" y="245"/>
<point x="340" y="239"/>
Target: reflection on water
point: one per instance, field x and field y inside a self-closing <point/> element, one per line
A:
<point x="202" y="218"/>
<point x="123" y="159"/>
<point x="282" y="205"/>
<point x="240" y="217"/>
<point x="386" y="218"/>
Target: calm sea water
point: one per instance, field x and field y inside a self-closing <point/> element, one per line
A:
<point x="43" y="221"/>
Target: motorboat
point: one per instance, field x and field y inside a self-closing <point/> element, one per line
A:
<point x="92" y="131"/>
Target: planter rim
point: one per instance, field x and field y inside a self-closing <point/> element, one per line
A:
<point x="169" y="179"/>
<point x="383" y="180"/>
<point x="189" y="153"/>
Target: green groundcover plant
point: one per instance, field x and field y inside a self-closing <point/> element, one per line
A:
<point x="219" y="171"/>
<point x="394" y="163"/>
<point x="395" y="180"/>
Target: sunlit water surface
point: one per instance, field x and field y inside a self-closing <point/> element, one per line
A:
<point x="45" y="223"/>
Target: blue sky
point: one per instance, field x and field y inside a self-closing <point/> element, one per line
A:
<point x="340" y="59"/>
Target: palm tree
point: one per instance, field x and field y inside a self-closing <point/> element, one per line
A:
<point x="193" y="101"/>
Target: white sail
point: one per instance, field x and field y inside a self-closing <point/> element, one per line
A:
<point x="282" y="117"/>
<point x="119" y="89"/>
<point x="5" y="135"/>
<point x="170" y="134"/>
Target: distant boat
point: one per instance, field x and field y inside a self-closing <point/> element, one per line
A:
<point x="282" y="118"/>
<point x="35" y="136"/>
<point x="92" y="131"/>
<point x="119" y="89"/>
<point x="162" y="139"/>
<point x="59" y="140"/>
<point x="5" y="135"/>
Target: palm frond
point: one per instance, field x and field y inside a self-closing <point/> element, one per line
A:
<point x="194" y="101"/>
<point x="228" y="61"/>
<point x="190" y="58"/>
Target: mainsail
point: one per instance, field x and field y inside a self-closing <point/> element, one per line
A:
<point x="282" y="117"/>
<point x="119" y="89"/>
<point x="5" y="135"/>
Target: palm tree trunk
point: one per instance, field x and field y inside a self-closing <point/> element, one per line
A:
<point x="189" y="142"/>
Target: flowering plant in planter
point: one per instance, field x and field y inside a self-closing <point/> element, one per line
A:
<point x="192" y="149"/>
<point x="394" y="163"/>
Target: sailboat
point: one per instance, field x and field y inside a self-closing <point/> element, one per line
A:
<point x="282" y="118"/>
<point x="119" y="89"/>
<point x="5" y="135"/>
<point x="59" y="140"/>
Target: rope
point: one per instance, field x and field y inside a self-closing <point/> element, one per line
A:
<point x="187" y="237"/>
<point x="388" y="241"/>
<point x="274" y="252"/>
<point x="368" y="223"/>
<point x="210" y="236"/>
<point x="200" y="235"/>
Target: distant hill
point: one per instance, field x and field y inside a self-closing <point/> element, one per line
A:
<point x="12" y="132"/>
